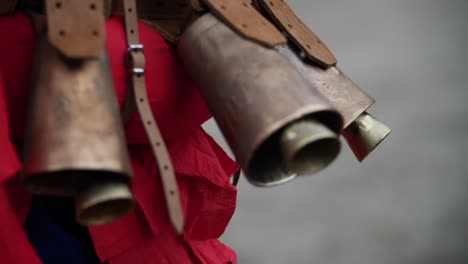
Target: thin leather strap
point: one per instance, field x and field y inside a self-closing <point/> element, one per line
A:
<point x="136" y="64"/>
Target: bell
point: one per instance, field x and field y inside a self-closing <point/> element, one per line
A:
<point x="103" y="202"/>
<point x="74" y="136"/>
<point x="350" y="100"/>
<point x="308" y="147"/>
<point x="277" y="127"/>
<point x="364" y="135"/>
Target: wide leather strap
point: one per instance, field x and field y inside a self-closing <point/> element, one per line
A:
<point x="242" y="17"/>
<point x="76" y="28"/>
<point x="306" y="40"/>
<point x="136" y="64"/>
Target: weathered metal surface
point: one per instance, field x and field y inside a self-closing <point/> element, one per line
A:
<point x="364" y="135"/>
<point x="362" y="132"/>
<point x="74" y="134"/>
<point x="103" y="202"/>
<point x="308" y="146"/>
<point x="253" y="93"/>
<point x="350" y="100"/>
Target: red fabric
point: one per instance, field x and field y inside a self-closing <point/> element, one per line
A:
<point x="202" y="167"/>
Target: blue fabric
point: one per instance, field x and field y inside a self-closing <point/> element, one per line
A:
<point x="55" y="235"/>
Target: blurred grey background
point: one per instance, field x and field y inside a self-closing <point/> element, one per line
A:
<point x="408" y="202"/>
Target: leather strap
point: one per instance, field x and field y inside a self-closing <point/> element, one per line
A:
<point x="242" y="17"/>
<point x="289" y="23"/>
<point x="76" y="28"/>
<point x="136" y="64"/>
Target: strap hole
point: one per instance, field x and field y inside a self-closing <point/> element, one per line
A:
<point x="142" y="100"/>
<point x="308" y="46"/>
<point x="130" y="10"/>
<point x="95" y="33"/>
<point x="158" y="144"/>
<point x="132" y="31"/>
<point x="171" y="192"/>
<point x="62" y="33"/>
<point x="289" y="25"/>
<point x="58" y="5"/>
<point x="223" y="7"/>
<point x="148" y="122"/>
<point x="166" y="167"/>
<point x="271" y="3"/>
<point x="244" y="26"/>
<point x="92" y="6"/>
<point x="245" y="4"/>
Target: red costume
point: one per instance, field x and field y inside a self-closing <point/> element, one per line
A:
<point x="203" y="169"/>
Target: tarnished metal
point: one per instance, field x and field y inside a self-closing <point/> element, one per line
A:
<point x="308" y="146"/>
<point x="74" y="134"/>
<point x="103" y="202"/>
<point x="254" y="94"/>
<point x="364" y="135"/>
<point x="350" y="100"/>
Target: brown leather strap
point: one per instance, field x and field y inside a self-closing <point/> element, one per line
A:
<point x="285" y="18"/>
<point x="76" y="28"/>
<point x="241" y="16"/>
<point x="136" y="64"/>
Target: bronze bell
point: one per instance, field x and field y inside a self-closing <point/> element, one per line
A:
<point x="275" y="124"/>
<point x="362" y="132"/>
<point x="103" y="202"/>
<point x="308" y="146"/>
<point x="74" y="137"/>
<point x="364" y="135"/>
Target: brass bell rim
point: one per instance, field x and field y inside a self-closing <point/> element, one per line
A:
<point x="263" y="184"/>
<point x="103" y="203"/>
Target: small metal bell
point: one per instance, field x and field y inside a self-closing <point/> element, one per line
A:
<point x="308" y="147"/>
<point x="103" y="202"/>
<point x="364" y="135"/>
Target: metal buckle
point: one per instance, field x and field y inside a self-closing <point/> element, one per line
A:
<point x="135" y="48"/>
<point x="136" y="71"/>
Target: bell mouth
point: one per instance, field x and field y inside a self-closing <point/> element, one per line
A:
<point x="304" y="147"/>
<point x="103" y="203"/>
<point x="68" y="182"/>
<point x="308" y="147"/>
<point x="364" y="135"/>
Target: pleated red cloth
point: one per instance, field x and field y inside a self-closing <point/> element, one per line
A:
<point x="202" y="167"/>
